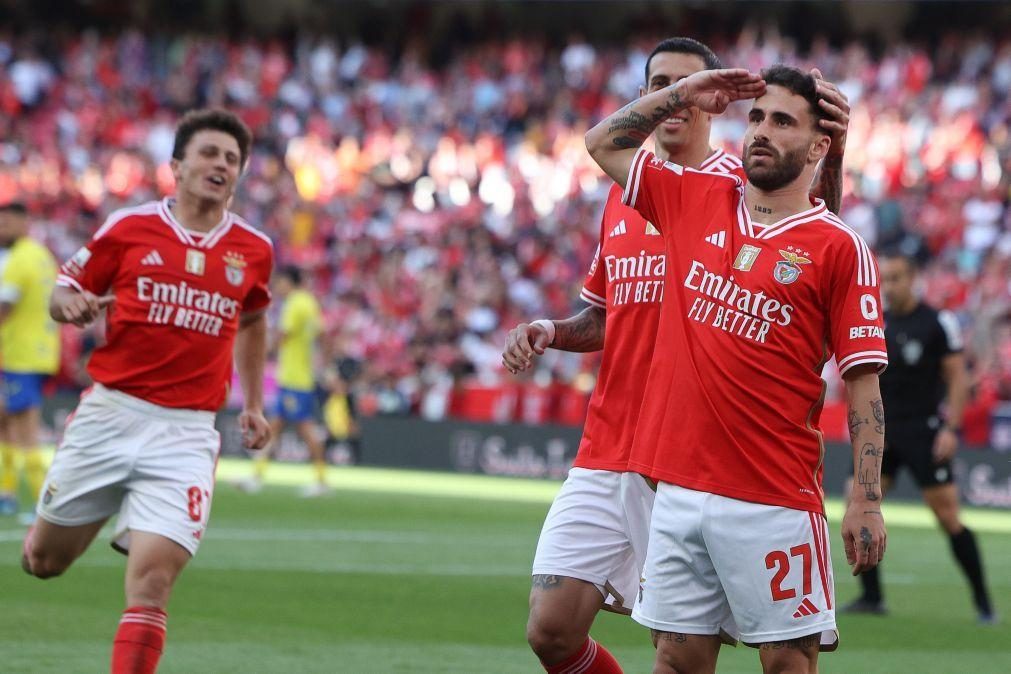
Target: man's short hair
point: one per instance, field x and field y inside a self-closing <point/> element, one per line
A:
<point x="16" y="207"/>
<point x="292" y="273"/>
<point x="213" y="120"/>
<point x="798" y="82"/>
<point x="897" y="253"/>
<point x="685" y="45"/>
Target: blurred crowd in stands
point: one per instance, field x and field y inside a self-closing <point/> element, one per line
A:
<point x="435" y="208"/>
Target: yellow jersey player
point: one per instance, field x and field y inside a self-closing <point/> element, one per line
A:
<point x="296" y="336"/>
<point x="29" y="345"/>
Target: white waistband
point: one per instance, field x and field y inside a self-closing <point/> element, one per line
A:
<point x="100" y="392"/>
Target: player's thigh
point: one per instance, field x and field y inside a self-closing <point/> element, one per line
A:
<point x="677" y="652"/>
<point x="172" y="487"/>
<point x="585" y="536"/>
<point x="680" y="591"/>
<point x="775" y="566"/>
<point x="61" y="545"/>
<point x="795" y="655"/>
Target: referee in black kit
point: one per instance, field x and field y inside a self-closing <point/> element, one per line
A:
<point x="926" y="367"/>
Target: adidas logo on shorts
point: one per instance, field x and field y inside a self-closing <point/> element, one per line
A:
<point x="806" y="608"/>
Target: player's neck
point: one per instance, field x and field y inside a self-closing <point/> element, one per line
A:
<point x="767" y="207"/>
<point x="198" y="215"/>
<point x="691" y="157"/>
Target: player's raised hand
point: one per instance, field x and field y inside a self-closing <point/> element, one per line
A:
<point x="864" y="535"/>
<point x="833" y="103"/>
<point x="522" y="346"/>
<point x="255" y="429"/>
<point x="713" y="90"/>
<point x="79" y="308"/>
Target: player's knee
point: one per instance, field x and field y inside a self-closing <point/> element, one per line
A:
<point x="150" y="587"/>
<point x="794" y="658"/>
<point x="44" y="566"/>
<point x="552" y="640"/>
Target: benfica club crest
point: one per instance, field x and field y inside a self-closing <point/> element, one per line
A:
<point x="788" y="270"/>
<point x="235" y="268"/>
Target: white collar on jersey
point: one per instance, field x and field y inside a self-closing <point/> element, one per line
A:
<point x="189" y="236"/>
<point x="757" y="230"/>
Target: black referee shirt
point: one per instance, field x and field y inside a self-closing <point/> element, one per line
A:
<point x="912" y="387"/>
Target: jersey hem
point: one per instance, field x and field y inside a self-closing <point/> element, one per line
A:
<point x="610" y="466"/>
<point x="721" y="490"/>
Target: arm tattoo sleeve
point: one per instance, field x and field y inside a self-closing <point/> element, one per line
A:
<point x="582" y="332"/>
<point x="829" y="184"/>
<point x="630" y="129"/>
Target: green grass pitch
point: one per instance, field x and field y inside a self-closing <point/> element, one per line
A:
<point x="418" y="572"/>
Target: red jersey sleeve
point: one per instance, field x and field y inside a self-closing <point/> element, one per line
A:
<point x="653" y="188"/>
<point x="594" y="290"/>
<point x="856" y="325"/>
<point x="258" y="296"/>
<point x="94" y="266"/>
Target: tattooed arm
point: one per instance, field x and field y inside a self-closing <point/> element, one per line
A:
<point x="863" y="527"/>
<point x="580" y="333"/>
<point x="613" y="142"/>
<point x="835" y="105"/>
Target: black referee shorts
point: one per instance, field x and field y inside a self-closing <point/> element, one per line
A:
<point x="910" y="443"/>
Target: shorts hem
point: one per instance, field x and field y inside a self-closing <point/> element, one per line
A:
<point x="72" y="522"/>
<point x="755" y="639"/>
<point x="596" y="581"/>
<point x="664" y="626"/>
<point x="190" y="546"/>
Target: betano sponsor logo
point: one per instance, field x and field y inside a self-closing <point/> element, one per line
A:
<point x="739" y="311"/>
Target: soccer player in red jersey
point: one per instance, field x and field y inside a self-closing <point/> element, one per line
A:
<point x="593" y="543"/>
<point x="186" y="286"/>
<point x="763" y="286"/>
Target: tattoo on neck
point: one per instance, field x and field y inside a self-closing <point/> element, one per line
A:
<point x="763" y="209"/>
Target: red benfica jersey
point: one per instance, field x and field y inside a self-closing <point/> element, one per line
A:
<point x="179" y="295"/>
<point x="752" y="314"/>
<point x="626" y="279"/>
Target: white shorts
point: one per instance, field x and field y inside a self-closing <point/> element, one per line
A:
<point x="152" y="465"/>
<point x="712" y="557"/>
<point x="596" y="530"/>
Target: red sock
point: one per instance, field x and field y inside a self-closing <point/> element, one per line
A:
<point x="139" y="640"/>
<point x="592" y="658"/>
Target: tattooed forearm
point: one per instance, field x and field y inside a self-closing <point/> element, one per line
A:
<point x="546" y="582"/>
<point x="878" y="409"/>
<point x="801" y="643"/>
<point x="638" y="126"/>
<point x="582" y="332"/>
<point x="869" y="470"/>
<point x="855" y="422"/>
<point x="829" y="183"/>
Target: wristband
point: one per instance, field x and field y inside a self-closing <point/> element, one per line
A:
<point x="548" y="326"/>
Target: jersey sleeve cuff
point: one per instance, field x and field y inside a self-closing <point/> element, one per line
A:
<point x="593" y="298"/>
<point x="631" y="192"/>
<point x="69" y="282"/>
<point x="879" y="358"/>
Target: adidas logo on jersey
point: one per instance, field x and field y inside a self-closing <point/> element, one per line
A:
<point x="651" y="229"/>
<point x="806" y="608"/>
<point x="152" y="259"/>
<point x="618" y="230"/>
<point x="718" y="239"/>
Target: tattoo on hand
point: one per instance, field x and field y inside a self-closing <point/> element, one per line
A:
<point x="866" y="538"/>
<point x="878" y="409"/>
<point x="546" y="582"/>
<point x="869" y="470"/>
